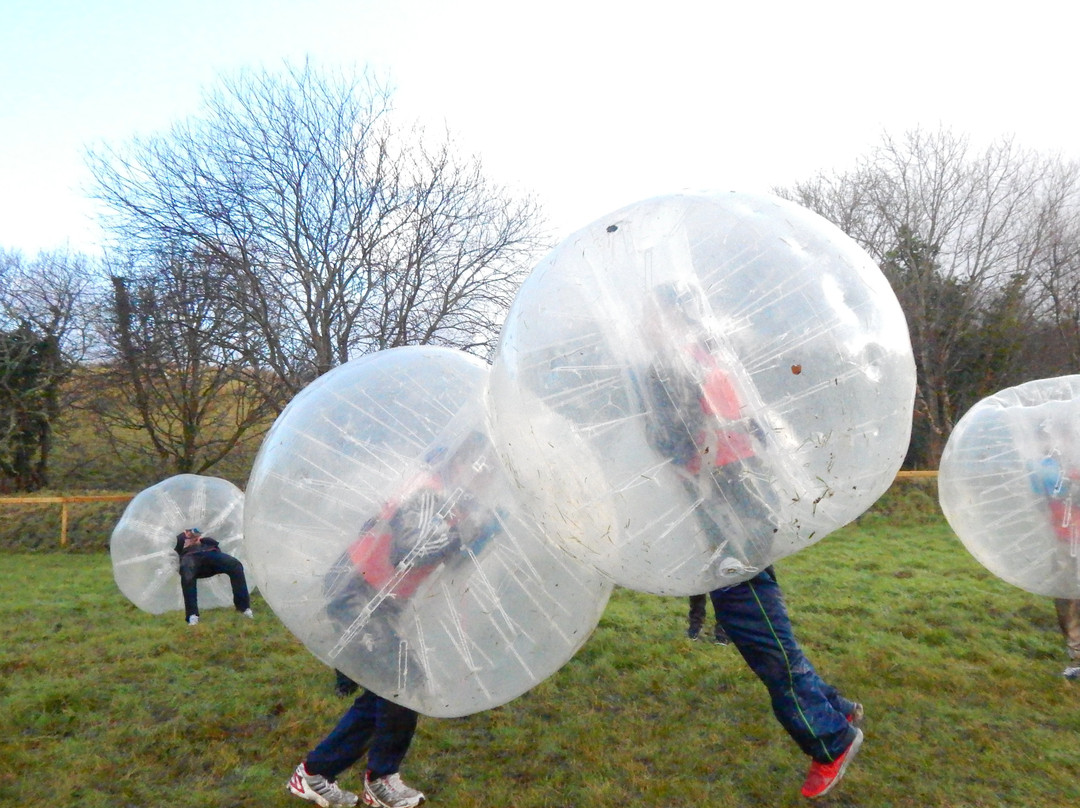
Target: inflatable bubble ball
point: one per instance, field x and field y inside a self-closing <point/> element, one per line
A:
<point x="384" y="533"/>
<point x="143" y="543"/>
<point x="723" y="379"/>
<point x="1009" y="485"/>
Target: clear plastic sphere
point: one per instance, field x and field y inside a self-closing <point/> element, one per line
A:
<point x="726" y="378"/>
<point x="385" y="534"/>
<point x="1009" y="485"/>
<point x="143" y="543"/>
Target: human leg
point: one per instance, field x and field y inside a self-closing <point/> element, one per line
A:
<point x="374" y="722"/>
<point x="1068" y="613"/>
<point x="219" y="563"/>
<point x="394" y="729"/>
<point x="348" y="600"/>
<point x="746" y="490"/>
<point x="189" y="574"/>
<point x="734" y="529"/>
<point x="754" y="616"/>
<point x="696" y="616"/>
<point x="348" y="741"/>
<point x="720" y="636"/>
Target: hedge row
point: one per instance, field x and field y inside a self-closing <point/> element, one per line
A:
<point x="37" y="527"/>
<point x="90" y="524"/>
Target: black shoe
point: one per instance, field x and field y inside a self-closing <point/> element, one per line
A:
<point x="693" y="632"/>
<point x="720" y="638"/>
<point x="345" y="690"/>
<point x="343" y="685"/>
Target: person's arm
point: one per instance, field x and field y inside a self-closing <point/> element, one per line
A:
<point x="420" y="532"/>
<point x="673" y="405"/>
<point x="476" y="533"/>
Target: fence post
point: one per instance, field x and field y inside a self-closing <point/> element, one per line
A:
<point x="63" y="503"/>
<point x="63" y="523"/>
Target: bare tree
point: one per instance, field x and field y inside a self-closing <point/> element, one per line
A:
<point x="954" y="229"/>
<point x="340" y="233"/>
<point x="1056" y="278"/>
<point x="43" y="333"/>
<point x="171" y="377"/>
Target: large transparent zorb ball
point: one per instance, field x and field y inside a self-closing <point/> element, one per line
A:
<point x="143" y="543"/>
<point x="727" y="378"/>
<point x="1009" y="485"/>
<point x="385" y="534"/>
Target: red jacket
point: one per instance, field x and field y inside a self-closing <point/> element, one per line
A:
<point x="378" y="553"/>
<point x="720" y="403"/>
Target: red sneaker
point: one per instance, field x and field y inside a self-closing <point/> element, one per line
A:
<point x="824" y="776"/>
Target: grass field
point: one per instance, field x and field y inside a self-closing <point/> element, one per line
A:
<point x="104" y="705"/>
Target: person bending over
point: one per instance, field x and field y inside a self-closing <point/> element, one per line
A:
<point x="202" y="557"/>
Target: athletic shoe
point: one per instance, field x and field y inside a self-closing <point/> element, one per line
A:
<point x="193" y="620"/>
<point x="822" y="777"/>
<point x="343" y="685"/>
<point x="720" y="637"/>
<point x="317" y="789"/>
<point x="855" y="717"/>
<point x="693" y="633"/>
<point x="390" y="792"/>
<point x="1071" y="672"/>
<point x="248" y="614"/>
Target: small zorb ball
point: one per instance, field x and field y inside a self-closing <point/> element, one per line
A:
<point x="143" y="543"/>
<point x="1009" y="485"/>
<point x="385" y="534"/>
<point x="710" y="383"/>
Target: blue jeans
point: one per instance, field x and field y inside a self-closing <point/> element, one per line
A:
<point x="371" y="725"/>
<point x="812" y="712"/>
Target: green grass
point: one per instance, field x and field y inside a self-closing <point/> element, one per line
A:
<point x="104" y="705"/>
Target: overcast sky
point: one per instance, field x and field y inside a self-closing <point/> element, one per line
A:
<point x="590" y="105"/>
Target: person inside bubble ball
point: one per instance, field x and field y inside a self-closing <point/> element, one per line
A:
<point x="435" y="524"/>
<point x="202" y="557"/>
<point x="1058" y="483"/>
<point x="697" y="419"/>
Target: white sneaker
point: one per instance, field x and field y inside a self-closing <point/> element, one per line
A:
<point x="248" y="614"/>
<point x="193" y="620"/>
<point x="1071" y="672"/>
<point x="317" y="789"/>
<point x="390" y="792"/>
